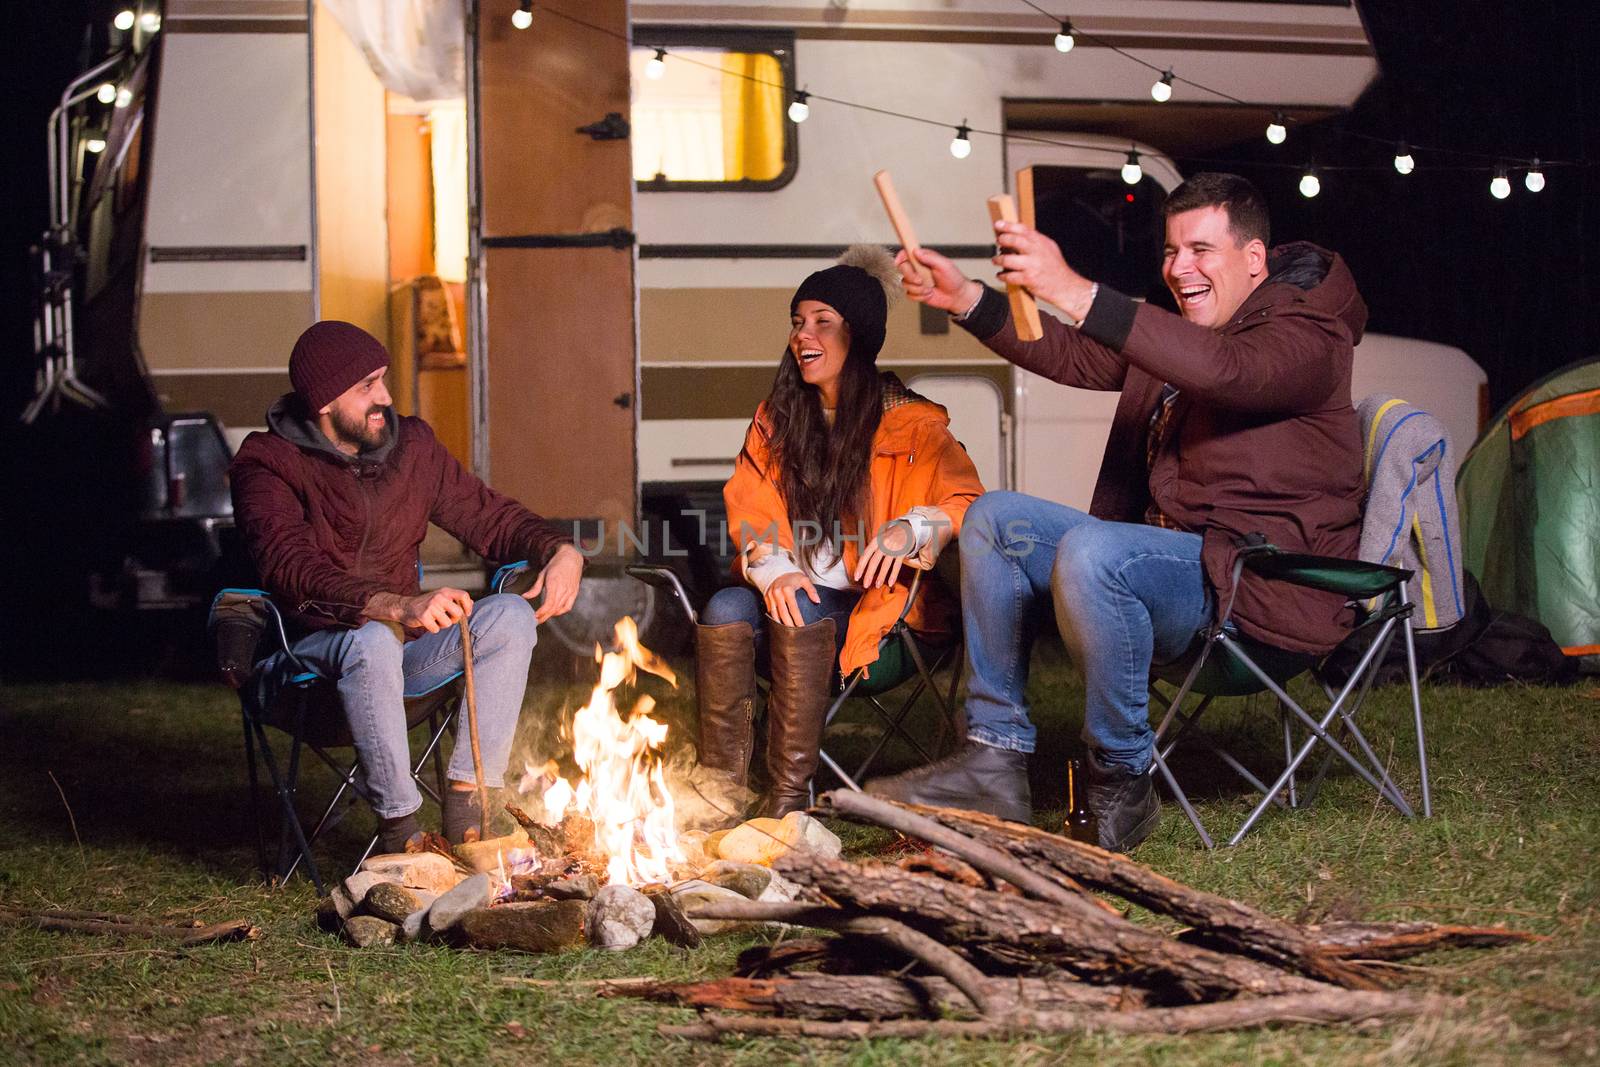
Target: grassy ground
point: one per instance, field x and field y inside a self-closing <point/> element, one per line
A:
<point x="152" y="774"/>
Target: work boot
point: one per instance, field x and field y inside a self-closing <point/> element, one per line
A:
<point x="975" y="776"/>
<point x="802" y="688"/>
<point x="725" y="685"/>
<point x="1125" y="805"/>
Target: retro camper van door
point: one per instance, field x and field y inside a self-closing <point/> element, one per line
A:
<point x="552" y="304"/>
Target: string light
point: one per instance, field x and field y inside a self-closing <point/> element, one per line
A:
<point x="799" y="111"/>
<point x="1132" y="173"/>
<point x="95" y="145"/>
<point x="124" y="20"/>
<point x="961" y="147"/>
<point x="1310" y="184"/>
<point x="657" y="65"/>
<point x="1161" y="91"/>
<point x="1534" y="179"/>
<point x="522" y="17"/>
<point x="1064" y="41"/>
<point x="1402" y="158"/>
<point x="107" y="93"/>
<point x="124" y="97"/>
<point x="1276" y="130"/>
<point x="1500" y="185"/>
<point x="150" y="22"/>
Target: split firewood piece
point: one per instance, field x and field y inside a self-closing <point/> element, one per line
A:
<point x="1072" y="934"/>
<point x="902" y="226"/>
<point x="861" y="807"/>
<point x="671" y="922"/>
<point x="1217" y="920"/>
<point x="1327" y="1007"/>
<point x="1401" y="940"/>
<point x="871" y="996"/>
<point x="1024" y="308"/>
<point x="546" y="839"/>
<point x="67" y="922"/>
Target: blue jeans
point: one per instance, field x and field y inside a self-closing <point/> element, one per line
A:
<point x="740" y="603"/>
<point x="374" y="672"/>
<point x="1125" y="595"/>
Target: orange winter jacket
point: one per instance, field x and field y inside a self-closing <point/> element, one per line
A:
<point x="915" y="462"/>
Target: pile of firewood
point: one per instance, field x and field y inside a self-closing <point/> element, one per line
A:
<point x="1001" y="930"/>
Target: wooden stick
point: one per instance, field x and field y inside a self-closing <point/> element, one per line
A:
<point x="1024" y="187"/>
<point x="1327" y="1007"/>
<point x="861" y="807"/>
<point x="1398" y="941"/>
<point x="1024" y="308"/>
<point x="902" y="225"/>
<point x="472" y="726"/>
<point x="233" y="930"/>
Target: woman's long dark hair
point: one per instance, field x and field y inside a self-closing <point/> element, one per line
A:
<point x="822" y="472"/>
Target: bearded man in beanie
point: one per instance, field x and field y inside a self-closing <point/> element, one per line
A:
<point x="1234" y="419"/>
<point x="333" y="503"/>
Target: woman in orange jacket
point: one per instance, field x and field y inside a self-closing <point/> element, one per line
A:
<point x="845" y="478"/>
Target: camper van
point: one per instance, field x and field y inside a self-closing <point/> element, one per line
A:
<point x="577" y="224"/>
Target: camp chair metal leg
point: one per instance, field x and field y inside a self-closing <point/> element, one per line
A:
<point x="1349" y="709"/>
<point x="435" y="751"/>
<point x="1416" y="713"/>
<point x="833" y="765"/>
<point x="255" y="790"/>
<point x="1183" y="800"/>
<point x="286" y="801"/>
<point x="1288" y="753"/>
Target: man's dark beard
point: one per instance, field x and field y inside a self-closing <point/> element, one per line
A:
<point x="357" y="432"/>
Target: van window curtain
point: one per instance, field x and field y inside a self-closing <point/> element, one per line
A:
<point x="415" y="47"/>
<point x="752" y="117"/>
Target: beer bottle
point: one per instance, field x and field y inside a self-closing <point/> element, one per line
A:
<point x="1080" y="825"/>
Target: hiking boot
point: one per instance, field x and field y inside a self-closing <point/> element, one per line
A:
<point x="1124" y="804"/>
<point x="797" y="709"/>
<point x="725" y="686"/>
<point x="975" y="776"/>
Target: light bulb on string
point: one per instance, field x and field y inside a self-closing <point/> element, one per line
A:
<point x="1132" y="173"/>
<point x="800" y="110"/>
<point x="1276" y="130"/>
<point x="1402" y="158"/>
<point x="106" y="93"/>
<point x="1534" y="179"/>
<point x="123" y="20"/>
<point x="1310" y="184"/>
<point x="96" y="145"/>
<point x="150" y="22"/>
<point x="960" y="146"/>
<point x="1064" y="40"/>
<point x="522" y="17"/>
<point x="657" y="65"/>
<point x="124" y="97"/>
<point x="1161" y="91"/>
<point x="1500" y="185"/>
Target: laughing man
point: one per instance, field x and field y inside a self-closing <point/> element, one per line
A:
<point x="1234" y="418"/>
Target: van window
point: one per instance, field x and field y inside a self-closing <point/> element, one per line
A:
<point x="1108" y="230"/>
<point x="715" y="118"/>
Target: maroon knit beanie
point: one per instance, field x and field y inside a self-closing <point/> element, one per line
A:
<point x="329" y="358"/>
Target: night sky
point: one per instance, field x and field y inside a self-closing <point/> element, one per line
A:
<point x="1515" y="283"/>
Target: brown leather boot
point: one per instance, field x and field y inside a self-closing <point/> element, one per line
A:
<point x="802" y="689"/>
<point x="725" y="683"/>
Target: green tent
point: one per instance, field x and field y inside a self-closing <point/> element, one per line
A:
<point x="1529" y="494"/>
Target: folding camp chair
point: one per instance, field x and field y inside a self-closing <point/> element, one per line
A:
<point x="246" y="630"/>
<point x="902" y="658"/>
<point x="1222" y="662"/>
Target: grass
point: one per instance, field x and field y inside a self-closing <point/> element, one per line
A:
<point x="151" y="775"/>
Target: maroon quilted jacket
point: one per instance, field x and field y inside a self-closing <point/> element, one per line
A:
<point x="328" y="530"/>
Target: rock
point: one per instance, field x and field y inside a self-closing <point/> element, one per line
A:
<point x="359" y="884"/>
<point x="577" y="887"/>
<point x="535" y="926"/>
<point x="693" y="844"/>
<point x="363" y="931"/>
<point x="806" y="833"/>
<point x="779" y="889"/>
<point x="414" y="928"/>
<point x="620" y="917"/>
<point x="485" y="855"/>
<point x="334" y="909"/>
<point x="427" y="871"/>
<point x="746" y="879"/>
<point x="446" y="912"/>
<point x="761" y="841"/>
<point x="689" y="895"/>
<point x="390" y="902"/>
<point x="671" y="922"/>
<point x="712" y="846"/>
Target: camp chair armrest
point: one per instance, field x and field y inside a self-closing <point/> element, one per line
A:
<point x="1349" y="577"/>
<point x="507" y="576"/>
<point x="666" y="580"/>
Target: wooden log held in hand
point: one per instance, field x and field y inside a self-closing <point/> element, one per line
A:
<point x="902" y="225"/>
<point x="1024" y="309"/>
<point x="472" y="726"/>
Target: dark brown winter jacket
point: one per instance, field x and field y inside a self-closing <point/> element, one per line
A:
<point x="1263" y="438"/>
<point x="328" y="530"/>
